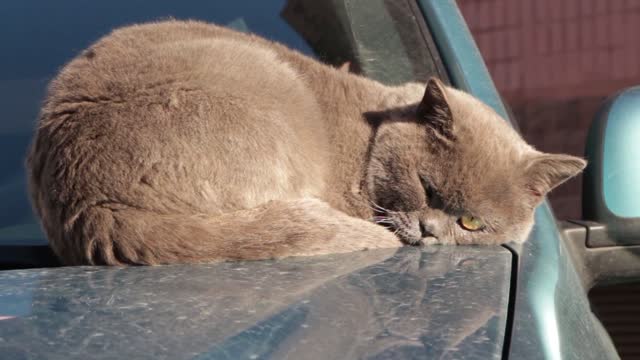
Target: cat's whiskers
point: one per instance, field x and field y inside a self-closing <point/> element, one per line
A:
<point x="376" y="206"/>
<point x="379" y="209"/>
<point x="382" y="220"/>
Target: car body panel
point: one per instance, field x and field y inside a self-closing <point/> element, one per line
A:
<point x="552" y="318"/>
<point x="402" y="303"/>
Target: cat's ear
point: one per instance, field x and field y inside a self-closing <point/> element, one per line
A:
<point x="543" y="172"/>
<point x="434" y="108"/>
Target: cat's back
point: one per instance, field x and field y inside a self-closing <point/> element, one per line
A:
<point x="139" y="59"/>
<point x="179" y="114"/>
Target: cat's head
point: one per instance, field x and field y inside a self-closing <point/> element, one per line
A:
<point x="450" y="170"/>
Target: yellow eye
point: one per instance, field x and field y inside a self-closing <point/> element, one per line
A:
<point x="471" y="223"/>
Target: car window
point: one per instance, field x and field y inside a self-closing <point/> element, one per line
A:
<point x="380" y="38"/>
<point x="386" y="40"/>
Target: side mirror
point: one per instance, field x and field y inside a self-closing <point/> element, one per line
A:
<point x="611" y="187"/>
<point x="606" y="243"/>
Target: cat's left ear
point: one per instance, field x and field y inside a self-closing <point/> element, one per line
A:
<point x="434" y="108"/>
<point x="544" y="172"/>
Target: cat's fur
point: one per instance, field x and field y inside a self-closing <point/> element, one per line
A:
<point x="183" y="142"/>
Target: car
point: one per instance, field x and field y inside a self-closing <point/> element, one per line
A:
<point x="512" y="301"/>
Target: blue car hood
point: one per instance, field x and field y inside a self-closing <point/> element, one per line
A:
<point x="432" y="302"/>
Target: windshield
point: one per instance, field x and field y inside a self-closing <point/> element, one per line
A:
<point x="379" y="38"/>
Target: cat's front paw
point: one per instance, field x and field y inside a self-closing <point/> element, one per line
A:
<point x="430" y="240"/>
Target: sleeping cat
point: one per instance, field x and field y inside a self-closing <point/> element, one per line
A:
<point x="182" y="141"/>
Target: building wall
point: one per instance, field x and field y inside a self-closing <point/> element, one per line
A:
<point x="554" y="61"/>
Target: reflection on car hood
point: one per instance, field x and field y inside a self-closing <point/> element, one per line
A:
<point x="434" y="302"/>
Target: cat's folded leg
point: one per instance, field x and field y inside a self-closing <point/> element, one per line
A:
<point x="116" y="234"/>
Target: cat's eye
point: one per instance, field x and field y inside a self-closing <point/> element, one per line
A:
<point x="470" y="223"/>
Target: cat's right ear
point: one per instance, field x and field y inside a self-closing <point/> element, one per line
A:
<point x="434" y="108"/>
<point x="543" y="172"/>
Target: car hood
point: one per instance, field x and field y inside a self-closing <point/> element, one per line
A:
<point x="433" y="302"/>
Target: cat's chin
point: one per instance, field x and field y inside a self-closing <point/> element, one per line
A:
<point x="430" y="240"/>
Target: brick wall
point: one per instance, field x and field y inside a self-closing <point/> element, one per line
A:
<point x="554" y="61"/>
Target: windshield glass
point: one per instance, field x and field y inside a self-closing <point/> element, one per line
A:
<point x="379" y="38"/>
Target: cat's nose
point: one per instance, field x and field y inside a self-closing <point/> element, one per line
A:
<point x="426" y="230"/>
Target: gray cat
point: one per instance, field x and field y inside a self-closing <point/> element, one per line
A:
<point x="184" y="142"/>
